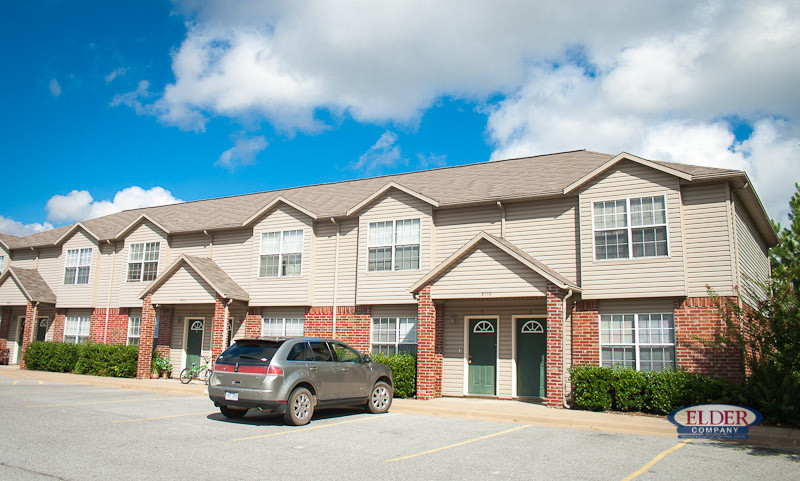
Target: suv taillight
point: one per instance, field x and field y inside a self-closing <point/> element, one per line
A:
<point x="275" y="371"/>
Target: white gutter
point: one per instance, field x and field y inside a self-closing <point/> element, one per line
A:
<point x="335" y="278"/>
<point x="110" y="284"/>
<point x="563" y="346"/>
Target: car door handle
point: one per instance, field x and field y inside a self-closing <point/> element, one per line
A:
<point x="345" y="369"/>
<point x="312" y="369"/>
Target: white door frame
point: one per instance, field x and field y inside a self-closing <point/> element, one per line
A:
<point x="186" y="325"/>
<point x="39" y="321"/>
<point x="514" y="319"/>
<point x="496" y="357"/>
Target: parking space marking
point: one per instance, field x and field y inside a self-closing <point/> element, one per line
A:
<point x="462" y="443"/>
<point x="14" y="383"/>
<point x="163" y="417"/>
<point x="310" y="428"/>
<point x="102" y="402"/>
<point x="653" y="461"/>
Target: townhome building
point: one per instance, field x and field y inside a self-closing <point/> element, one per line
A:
<point x="498" y="276"/>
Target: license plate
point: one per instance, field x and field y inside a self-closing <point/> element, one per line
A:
<point x="231" y="396"/>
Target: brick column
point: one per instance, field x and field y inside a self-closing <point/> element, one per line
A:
<point x="146" y="332"/>
<point x="253" y="322"/>
<point x="429" y="366"/>
<point x="586" y="333"/>
<point x="219" y="329"/>
<point x="59" y="321"/>
<point x="164" y="330"/>
<point x="28" y="331"/>
<point x="555" y="346"/>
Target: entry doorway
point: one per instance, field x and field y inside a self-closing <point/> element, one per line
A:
<point x="41" y="328"/>
<point x="195" y="326"/>
<point x="482" y="356"/>
<point x="20" y="332"/>
<point x="531" y="356"/>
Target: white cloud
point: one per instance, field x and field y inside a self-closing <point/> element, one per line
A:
<point x="55" y="88"/>
<point x="243" y="152"/>
<point x="432" y="160"/>
<point x="134" y="99"/>
<point x="80" y="205"/>
<point x="13" y="227"/>
<point x="385" y="153"/>
<point x="119" y="72"/>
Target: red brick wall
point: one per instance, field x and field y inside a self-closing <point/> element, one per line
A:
<point x="164" y="330"/>
<point x="146" y="339"/>
<point x="5" y="315"/>
<point x="28" y="330"/>
<point x="117" y="326"/>
<point x="586" y="333"/>
<point x="698" y="317"/>
<point x="555" y="346"/>
<point x="353" y="324"/>
<point x="430" y="328"/>
<point x="253" y="322"/>
<point x="59" y="322"/>
<point x="219" y="328"/>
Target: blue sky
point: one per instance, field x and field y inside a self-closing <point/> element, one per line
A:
<point x="115" y="105"/>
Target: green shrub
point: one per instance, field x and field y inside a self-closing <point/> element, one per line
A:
<point x="94" y="359"/>
<point x="602" y="388"/>
<point x="404" y="372"/>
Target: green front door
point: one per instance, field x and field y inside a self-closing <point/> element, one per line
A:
<point x="41" y="331"/>
<point x="531" y="357"/>
<point x="20" y="331"/>
<point x="194" y="342"/>
<point x="482" y="358"/>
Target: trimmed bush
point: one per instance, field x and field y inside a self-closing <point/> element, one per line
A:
<point x="404" y="372"/>
<point x="602" y="389"/>
<point x="94" y="359"/>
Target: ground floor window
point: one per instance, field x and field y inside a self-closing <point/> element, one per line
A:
<point x="134" y="328"/>
<point x="394" y="334"/>
<point x="283" y="326"/>
<point x="77" y="329"/>
<point x="643" y="342"/>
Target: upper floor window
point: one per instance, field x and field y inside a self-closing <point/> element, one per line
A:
<point x="143" y="262"/>
<point x="2" y="263"/>
<point x="394" y="245"/>
<point x="78" y="264"/>
<point x="77" y="329"/>
<point x="281" y="253"/>
<point x="643" y="342"/>
<point x="630" y="228"/>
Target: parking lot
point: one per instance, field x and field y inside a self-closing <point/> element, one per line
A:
<point x="66" y="431"/>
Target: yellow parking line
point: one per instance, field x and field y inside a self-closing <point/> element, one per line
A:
<point x="290" y="431"/>
<point x="101" y="402"/>
<point x="653" y="461"/>
<point x="41" y="382"/>
<point x="14" y="383"/>
<point x="458" y="444"/>
<point x="163" y="417"/>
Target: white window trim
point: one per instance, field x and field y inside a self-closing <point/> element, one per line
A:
<point x="283" y="324"/>
<point x="143" y="261"/>
<point x="396" y="332"/>
<point x="77" y="266"/>
<point x="394" y="244"/>
<point x="636" y="345"/>
<point x="129" y="337"/>
<point x="280" y="252"/>
<point x="630" y="228"/>
<point x="77" y="335"/>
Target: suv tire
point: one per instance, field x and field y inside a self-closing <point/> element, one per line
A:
<point x="232" y="413"/>
<point x="380" y="398"/>
<point x="299" y="407"/>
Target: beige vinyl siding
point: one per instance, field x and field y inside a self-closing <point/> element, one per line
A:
<point x="129" y="291"/>
<point x="177" y="353"/>
<point x="392" y="287"/>
<point x="26" y="258"/>
<point x="753" y="257"/>
<point x="185" y="286"/>
<point x="642" y="277"/>
<point x="282" y="291"/>
<point x="548" y="231"/>
<point x="5" y="255"/>
<point x="708" y="239"/>
<point x="454" y="359"/>
<point x="110" y="267"/>
<point x="11" y="293"/>
<point x="455" y="227"/>
<point x="195" y="244"/>
<point x="325" y="262"/>
<point x="238" y="311"/>
<point x="403" y="310"/>
<point x="77" y="295"/>
<point x="634" y="306"/>
<point x="51" y="268"/>
<point x="231" y="253"/>
<point x="488" y="272"/>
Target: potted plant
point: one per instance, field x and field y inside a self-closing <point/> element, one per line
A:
<point x="155" y="371"/>
<point x="165" y="367"/>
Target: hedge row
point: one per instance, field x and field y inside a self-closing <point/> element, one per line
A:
<point x="404" y="372"/>
<point x="95" y="359"/>
<point x="603" y="389"/>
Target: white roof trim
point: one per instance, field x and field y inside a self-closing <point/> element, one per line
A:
<point x="625" y="156"/>
<point x="136" y="221"/>
<point x="174" y="267"/>
<point x="272" y="204"/>
<point x="382" y="190"/>
<point x="72" y="230"/>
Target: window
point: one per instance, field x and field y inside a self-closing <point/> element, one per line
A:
<point x="77" y="329"/>
<point x="630" y="228"/>
<point x="76" y="270"/>
<point x="394" y="245"/>
<point x="643" y="342"/>
<point x="143" y="262"/>
<point x="394" y="334"/>
<point x="2" y="262"/>
<point x="283" y="326"/>
<point x="134" y="328"/>
<point x="345" y="354"/>
<point x="281" y="254"/>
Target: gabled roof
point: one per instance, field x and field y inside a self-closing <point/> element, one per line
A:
<point x="32" y="284"/>
<point x="619" y="158"/>
<point x="507" y="247"/>
<point x="272" y="204"/>
<point x="137" y="221"/>
<point x="209" y="271"/>
<point x="9" y="241"/>
<point x="75" y="227"/>
<point x="391" y="185"/>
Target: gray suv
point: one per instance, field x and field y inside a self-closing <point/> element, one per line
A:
<point x="295" y="376"/>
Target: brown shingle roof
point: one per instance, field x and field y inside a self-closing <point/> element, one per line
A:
<point x="32" y="283"/>
<point x="212" y="273"/>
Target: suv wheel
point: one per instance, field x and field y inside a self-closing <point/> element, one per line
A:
<point x="380" y="399"/>
<point x="299" y="407"/>
<point x="232" y="413"/>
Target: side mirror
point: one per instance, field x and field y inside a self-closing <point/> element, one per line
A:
<point x="366" y="358"/>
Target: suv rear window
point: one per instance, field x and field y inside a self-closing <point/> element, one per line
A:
<point x="250" y="352"/>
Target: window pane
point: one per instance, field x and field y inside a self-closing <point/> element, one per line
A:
<point x="69" y="275"/>
<point x="380" y="233"/>
<point x="380" y="259"/>
<point x="657" y="358"/>
<point x="408" y="330"/>
<point x="269" y="266"/>
<point x="72" y="258"/>
<point x="294" y="326"/>
<point x="272" y="327"/>
<point x="345" y="354"/>
<point x="406" y="258"/>
<point x="151" y="251"/>
<point x="134" y="272"/>
<point x="291" y="264"/>
<point x="649" y="241"/>
<point x="321" y="352"/>
<point x="136" y="253"/>
<point x="618" y="357"/>
<point x="407" y="231"/>
<point x="86" y="257"/>
<point x="83" y="275"/>
<point x="150" y="271"/>
<point x="271" y="243"/>
<point x="612" y="244"/>
<point x="610" y="214"/>
<point x="292" y="241"/>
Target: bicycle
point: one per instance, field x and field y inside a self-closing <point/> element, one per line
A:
<point x="194" y="372"/>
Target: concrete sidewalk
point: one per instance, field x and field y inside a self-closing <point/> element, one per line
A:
<point x="470" y="408"/>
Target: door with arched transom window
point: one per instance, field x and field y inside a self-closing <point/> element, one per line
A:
<point x="531" y="358"/>
<point x="482" y="357"/>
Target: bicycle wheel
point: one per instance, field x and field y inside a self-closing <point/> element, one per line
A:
<point x="207" y="376"/>
<point x="186" y="375"/>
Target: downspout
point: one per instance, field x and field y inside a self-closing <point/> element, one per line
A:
<point x="335" y="277"/>
<point x="563" y="362"/>
<point x="110" y="285"/>
<point x="32" y="335"/>
<point x="502" y="220"/>
<point x="210" y="244"/>
<point x="225" y="339"/>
